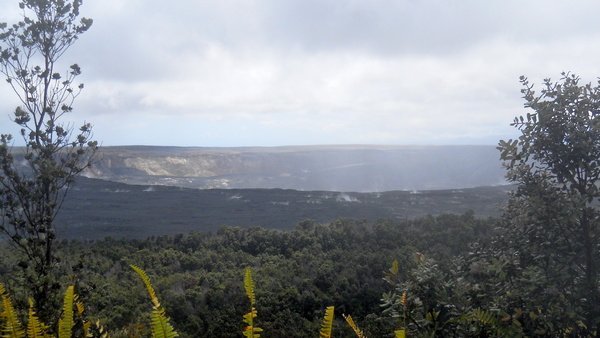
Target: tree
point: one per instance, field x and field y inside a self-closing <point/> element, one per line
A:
<point x="538" y="275"/>
<point x="552" y="219"/>
<point x="35" y="179"/>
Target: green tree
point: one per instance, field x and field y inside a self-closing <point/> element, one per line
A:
<point x="538" y="274"/>
<point x="34" y="179"/>
<point x="552" y="219"/>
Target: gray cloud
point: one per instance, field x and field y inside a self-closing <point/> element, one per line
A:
<point x="269" y="72"/>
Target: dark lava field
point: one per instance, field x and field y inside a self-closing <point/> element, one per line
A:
<point x="95" y="208"/>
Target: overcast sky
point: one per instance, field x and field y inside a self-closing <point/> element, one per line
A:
<point x="300" y="72"/>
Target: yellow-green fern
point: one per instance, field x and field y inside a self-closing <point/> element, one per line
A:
<point x="101" y="332"/>
<point x="327" y="325"/>
<point x="249" y="286"/>
<point x="400" y="333"/>
<point x="160" y="322"/>
<point x="250" y="330"/>
<point x="354" y="327"/>
<point x="66" y="322"/>
<point x="11" y="327"/>
<point x="86" y="324"/>
<point x="35" y="328"/>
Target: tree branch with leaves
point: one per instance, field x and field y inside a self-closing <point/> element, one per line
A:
<point x="553" y="216"/>
<point x="35" y="178"/>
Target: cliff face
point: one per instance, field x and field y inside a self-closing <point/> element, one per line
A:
<point x="334" y="168"/>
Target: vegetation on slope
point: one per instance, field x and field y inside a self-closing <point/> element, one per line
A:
<point x="298" y="273"/>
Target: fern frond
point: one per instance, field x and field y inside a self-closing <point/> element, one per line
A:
<point x="35" y="328"/>
<point x="149" y="287"/>
<point x="86" y="324"/>
<point x="101" y="332"/>
<point x="484" y="317"/>
<point x="327" y="325"/>
<point x="80" y="308"/>
<point x="66" y="322"/>
<point x="354" y="327"/>
<point x="161" y="328"/>
<point x="250" y="330"/>
<point x="86" y="328"/>
<point x="400" y="333"/>
<point x="249" y="317"/>
<point x="249" y="286"/>
<point x="12" y="327"/>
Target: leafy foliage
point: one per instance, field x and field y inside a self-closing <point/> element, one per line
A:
<point x="251" y="330"/>
<point x="434" y="302"/>
<point x="327" y="325"/>
<point x="11" y="327"/>
<point x="538" y="274"/>
<point x="66" y="322"/>
<point x="357" y="330"/>
<point x="35" y="329"/>
<point x="35" y="179"/>
<point x="552" y="222"/>
<point x="161" y="328"/>
<point x="300" y="272"/>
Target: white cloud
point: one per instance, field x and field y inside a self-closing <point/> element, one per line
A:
<point x="266" y="72"/>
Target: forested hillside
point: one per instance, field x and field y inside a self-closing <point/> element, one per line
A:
<point x="199" y="276"/>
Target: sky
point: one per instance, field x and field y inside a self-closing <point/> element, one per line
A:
<point x="302" y="72"/>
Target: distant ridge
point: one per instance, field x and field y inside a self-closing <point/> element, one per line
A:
<point x="359" y="168"/>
